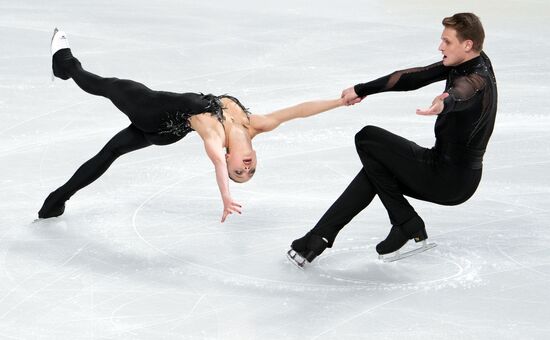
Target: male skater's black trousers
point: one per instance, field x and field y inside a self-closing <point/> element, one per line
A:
<point x="394" y="166"/>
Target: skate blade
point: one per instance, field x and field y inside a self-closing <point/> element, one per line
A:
<point x="296" y="259"/>
<point x="55" y="30"/>
<point x="397" y="255"/>
<point x="40" y="219"/>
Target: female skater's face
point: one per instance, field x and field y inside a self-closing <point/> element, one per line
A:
<point x="241" y="167"/>
<point x="454" y="51"/>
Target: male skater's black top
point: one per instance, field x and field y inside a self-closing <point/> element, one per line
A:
<point x="464" y="127"/>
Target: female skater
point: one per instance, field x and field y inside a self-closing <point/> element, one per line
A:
<point x="161" y="118"/>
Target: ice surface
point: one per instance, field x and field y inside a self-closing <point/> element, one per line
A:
<point x="140" y="254"/>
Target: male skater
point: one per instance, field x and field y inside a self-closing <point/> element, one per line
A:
<point x="448" y="173"/>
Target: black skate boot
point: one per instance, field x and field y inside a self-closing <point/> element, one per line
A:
<point x="60" y="61"/>
<point x="306" y="248"/>
<point x="53" y="206"/>
<point x="400" y="235"/>
<point x="61" y="55"/>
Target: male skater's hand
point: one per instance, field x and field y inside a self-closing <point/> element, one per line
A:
<point x="350" y="97"/>
<point x="436" y="108"/>
<point x="230" y="206"/>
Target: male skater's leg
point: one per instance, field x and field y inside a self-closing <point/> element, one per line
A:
<point x="353" y="200"/>
<point x="127" y="140"/>
<point x="411" y="172"/>
<point x="396" y="166"/>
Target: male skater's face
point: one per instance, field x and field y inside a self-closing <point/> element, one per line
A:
<point x="454" y="51"/>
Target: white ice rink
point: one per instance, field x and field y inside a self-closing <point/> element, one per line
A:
<point x="140" y="254"/>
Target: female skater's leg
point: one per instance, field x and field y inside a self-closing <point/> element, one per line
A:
<point x="127" y="140"/>
<point x="128" y="96"/>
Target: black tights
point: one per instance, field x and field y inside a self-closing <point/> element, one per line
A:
<point x="392" y="167"/>
<point x="151" y="113"/>
<point x="125" y="94"/>
<point x="127" y="140"/>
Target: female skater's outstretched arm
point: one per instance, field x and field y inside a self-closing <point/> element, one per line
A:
<point x="215" y="139"/>
<point x="270" y="121"/>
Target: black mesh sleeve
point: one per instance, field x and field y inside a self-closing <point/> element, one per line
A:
<point x="404" y="80"/>
<point x="463" y="93"/>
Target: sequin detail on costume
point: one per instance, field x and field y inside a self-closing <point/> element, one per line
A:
<point x="177" y="123"/>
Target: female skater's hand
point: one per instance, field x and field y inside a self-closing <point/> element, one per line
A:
<point x="230" y="206"/>
<point x="350" y="97"/>
<point x="436" y="108"/>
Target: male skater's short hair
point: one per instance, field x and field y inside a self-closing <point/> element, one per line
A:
<point x="467" y="27"/>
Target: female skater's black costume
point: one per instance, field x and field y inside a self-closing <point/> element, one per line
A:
<point x="447" y="174"/>
<point x="157" y="117"/>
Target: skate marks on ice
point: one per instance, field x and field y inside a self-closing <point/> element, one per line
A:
<point x="347" y="269"/>
<point x="447" y="266"/>
<point x="74" y="270"/>
<point x="39" y="276"/>
<point x="525" y="253"/>
<point x="253" y="258"/>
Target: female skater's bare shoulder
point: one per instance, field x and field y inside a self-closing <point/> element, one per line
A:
<point x="208" y="127"/>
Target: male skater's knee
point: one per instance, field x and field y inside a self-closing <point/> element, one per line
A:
<point x="369" y="132"/>
<point x="372" y="166"/>
<point x="365" y="136"/>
